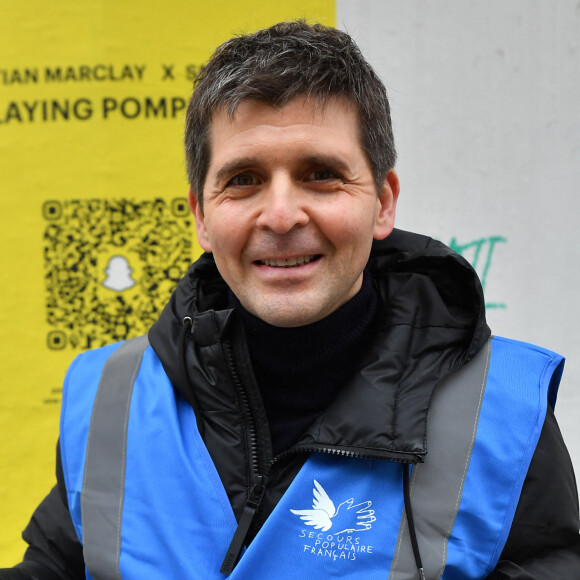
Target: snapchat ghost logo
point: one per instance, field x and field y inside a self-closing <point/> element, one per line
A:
<point x="118" y="273"/>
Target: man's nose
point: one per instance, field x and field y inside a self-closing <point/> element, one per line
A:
<point x="283" y="206"/>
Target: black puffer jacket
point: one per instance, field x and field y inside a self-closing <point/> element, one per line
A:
<point x="431" y="322"/>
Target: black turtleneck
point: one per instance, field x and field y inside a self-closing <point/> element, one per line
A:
<point x="300" y="370"/>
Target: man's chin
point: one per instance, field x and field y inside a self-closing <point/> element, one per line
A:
<point x="288" y="313"/>
<point x="286" y="321"/>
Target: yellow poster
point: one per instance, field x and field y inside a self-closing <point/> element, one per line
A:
<point x="95" y="228"/>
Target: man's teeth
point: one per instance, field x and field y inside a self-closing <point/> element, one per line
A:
<point x="281" y="263"/>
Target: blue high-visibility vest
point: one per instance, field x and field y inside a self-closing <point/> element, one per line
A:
<point x="147" y="502"/>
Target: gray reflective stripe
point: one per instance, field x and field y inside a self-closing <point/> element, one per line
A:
<point x="104" y="476"/>
<point x="437" y="484"/>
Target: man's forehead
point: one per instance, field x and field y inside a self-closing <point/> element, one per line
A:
<point x="299" y="128"/>
<point x="317" y="105"/>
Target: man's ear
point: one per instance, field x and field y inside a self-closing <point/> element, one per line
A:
<point x="200" y="228"/>
<point x="387" y="202"/>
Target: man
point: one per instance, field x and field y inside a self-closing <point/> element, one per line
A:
<point x="321" y="397"/>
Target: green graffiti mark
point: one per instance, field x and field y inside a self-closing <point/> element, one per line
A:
<point x="477" y="246"/>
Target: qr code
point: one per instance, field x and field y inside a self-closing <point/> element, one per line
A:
<point x="110" y="266"/>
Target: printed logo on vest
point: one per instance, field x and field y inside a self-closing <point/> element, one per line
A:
<point x="343" y="524"/>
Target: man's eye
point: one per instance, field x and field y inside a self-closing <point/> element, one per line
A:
<point x="322" y="175"/>
<point x="243" y="179"/>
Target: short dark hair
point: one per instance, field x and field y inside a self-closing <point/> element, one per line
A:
<point x="276" y="65"/>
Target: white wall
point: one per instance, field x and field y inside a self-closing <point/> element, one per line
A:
<point x="485" y="97"/>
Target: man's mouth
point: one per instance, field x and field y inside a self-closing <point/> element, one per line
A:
<point x="288" y="262"/>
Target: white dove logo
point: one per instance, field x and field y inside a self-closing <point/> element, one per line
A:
<point x="324" y="515"/>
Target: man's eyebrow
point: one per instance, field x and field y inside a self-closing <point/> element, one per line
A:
<point x="326" y="160"/>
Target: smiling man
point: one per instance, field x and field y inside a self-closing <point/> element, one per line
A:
<point x="321" y="397"/>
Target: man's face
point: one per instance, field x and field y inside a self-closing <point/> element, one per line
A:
<point x="290" y="208"/>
